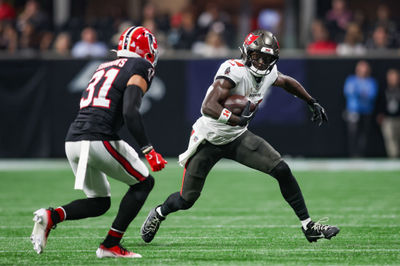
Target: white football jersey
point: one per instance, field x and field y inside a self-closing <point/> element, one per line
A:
<point x="217" y="132"/>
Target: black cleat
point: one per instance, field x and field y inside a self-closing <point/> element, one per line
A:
<point x="317" y="231"/>
<point x="151" y="225"/>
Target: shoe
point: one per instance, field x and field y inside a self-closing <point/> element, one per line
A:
<point x="151" y="225"/>
<point x="117" y="251"/>
<point x="41" y="229"/>
<point x="316" y="230"/>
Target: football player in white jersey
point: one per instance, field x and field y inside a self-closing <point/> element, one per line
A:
<point x="218" y="133"/>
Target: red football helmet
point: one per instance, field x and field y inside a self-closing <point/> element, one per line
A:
<point x="138" y="42"/>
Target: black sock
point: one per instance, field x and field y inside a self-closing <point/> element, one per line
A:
<point x="131" y="203"/>
<point x="174" y="203"/>
<point x="112" y="239"/>
<point x="171" y="204"/>
<point x="84" y="208"/>
<point x="290" y="190"/>
<point x="55" y="215"/>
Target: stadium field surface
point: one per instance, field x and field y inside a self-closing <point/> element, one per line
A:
<point x="240" y="219"/>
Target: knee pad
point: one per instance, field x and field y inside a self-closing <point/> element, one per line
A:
<point x="190" y="196"/>
<point x="149" y="182"/>
<point x="281" y="171"/>
<point x="100" y="205"/>
<point x="146" y="185"/>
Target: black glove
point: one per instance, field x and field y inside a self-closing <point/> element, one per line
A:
<point x="246" y="115"/>
<point x="319" y="115"/>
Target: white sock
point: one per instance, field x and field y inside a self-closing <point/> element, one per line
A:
<point x="158" y="210"/>
<point x="305" y="222"/>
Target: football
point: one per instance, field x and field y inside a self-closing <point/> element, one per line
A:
<point x="236" y="104"/>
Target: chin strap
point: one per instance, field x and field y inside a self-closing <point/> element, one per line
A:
<point x="259" y="75"/>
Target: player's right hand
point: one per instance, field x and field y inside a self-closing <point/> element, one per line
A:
<point x="155" y="160"/>
<point x="246" y="115"/>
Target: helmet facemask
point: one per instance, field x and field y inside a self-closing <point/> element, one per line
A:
<point x="260" y="51"/>
<point x="260" y="64"/>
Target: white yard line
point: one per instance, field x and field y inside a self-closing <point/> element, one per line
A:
<point x="212" y="226"/>
<point x="212" y="237"/>
<point x="227" y="165"/>
<point x="34" y="164"/>
<point x="268" y="250"/>
<point x="268" y="211"/>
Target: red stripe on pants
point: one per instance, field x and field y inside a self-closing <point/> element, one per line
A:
<point x="183" y="178"/>
<point x="124" y="162"/>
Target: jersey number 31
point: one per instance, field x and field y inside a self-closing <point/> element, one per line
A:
<point x="101" y="90"/>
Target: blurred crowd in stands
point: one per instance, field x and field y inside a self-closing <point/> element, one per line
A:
<point x="28" y="29"/>
<point x="208" y="30"/>
<point x="347" y="32"/>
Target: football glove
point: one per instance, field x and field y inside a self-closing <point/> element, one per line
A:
<point x="318" y="112"/>
<point x="246" y="115"/>
<point x="156" y="161"/>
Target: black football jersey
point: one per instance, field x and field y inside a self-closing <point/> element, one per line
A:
<point x="100" y="115"/>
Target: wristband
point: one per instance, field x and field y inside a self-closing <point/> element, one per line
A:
<point x="224" y="116"/>
<point x="147" y="149"/>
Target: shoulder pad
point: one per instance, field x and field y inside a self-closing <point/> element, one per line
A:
<point x="232" y="70"/>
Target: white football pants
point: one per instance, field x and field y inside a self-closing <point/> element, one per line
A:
<point x="114" y="158"/>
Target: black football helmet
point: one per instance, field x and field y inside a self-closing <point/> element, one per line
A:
<point x="260" y="52"/>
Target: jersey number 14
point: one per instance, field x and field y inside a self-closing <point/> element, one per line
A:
<point x="101" y="99"/>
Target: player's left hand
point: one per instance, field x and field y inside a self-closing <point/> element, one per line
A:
<point x="319" y="115"/>
<point x="155" y="160"/>
<point x="246" y="115"/>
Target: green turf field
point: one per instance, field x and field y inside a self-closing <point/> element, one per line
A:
<point x="240" y="219"/>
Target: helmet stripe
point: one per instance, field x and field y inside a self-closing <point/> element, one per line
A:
<point x="121" y="39"/>
<point x="127" y="35"/>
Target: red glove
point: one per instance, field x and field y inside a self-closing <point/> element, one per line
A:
<point x="155" y="160"/>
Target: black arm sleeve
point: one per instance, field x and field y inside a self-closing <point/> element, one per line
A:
<point x="133" y="119"/>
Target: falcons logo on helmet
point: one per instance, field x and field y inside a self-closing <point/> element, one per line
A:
<point x="138" y="42"/>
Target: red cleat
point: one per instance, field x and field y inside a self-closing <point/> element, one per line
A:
<point x="117" y="251"/>
<point x="41" y="229"/>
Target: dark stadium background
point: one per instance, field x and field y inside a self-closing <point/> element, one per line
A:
<point x="40" y="89"/>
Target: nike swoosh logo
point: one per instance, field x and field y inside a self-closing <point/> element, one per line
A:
<point x="157" y="160"/>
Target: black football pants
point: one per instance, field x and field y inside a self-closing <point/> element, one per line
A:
<point x="248" y="149"/>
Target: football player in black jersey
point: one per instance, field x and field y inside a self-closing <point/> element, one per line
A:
<point x="94" y="149"/>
